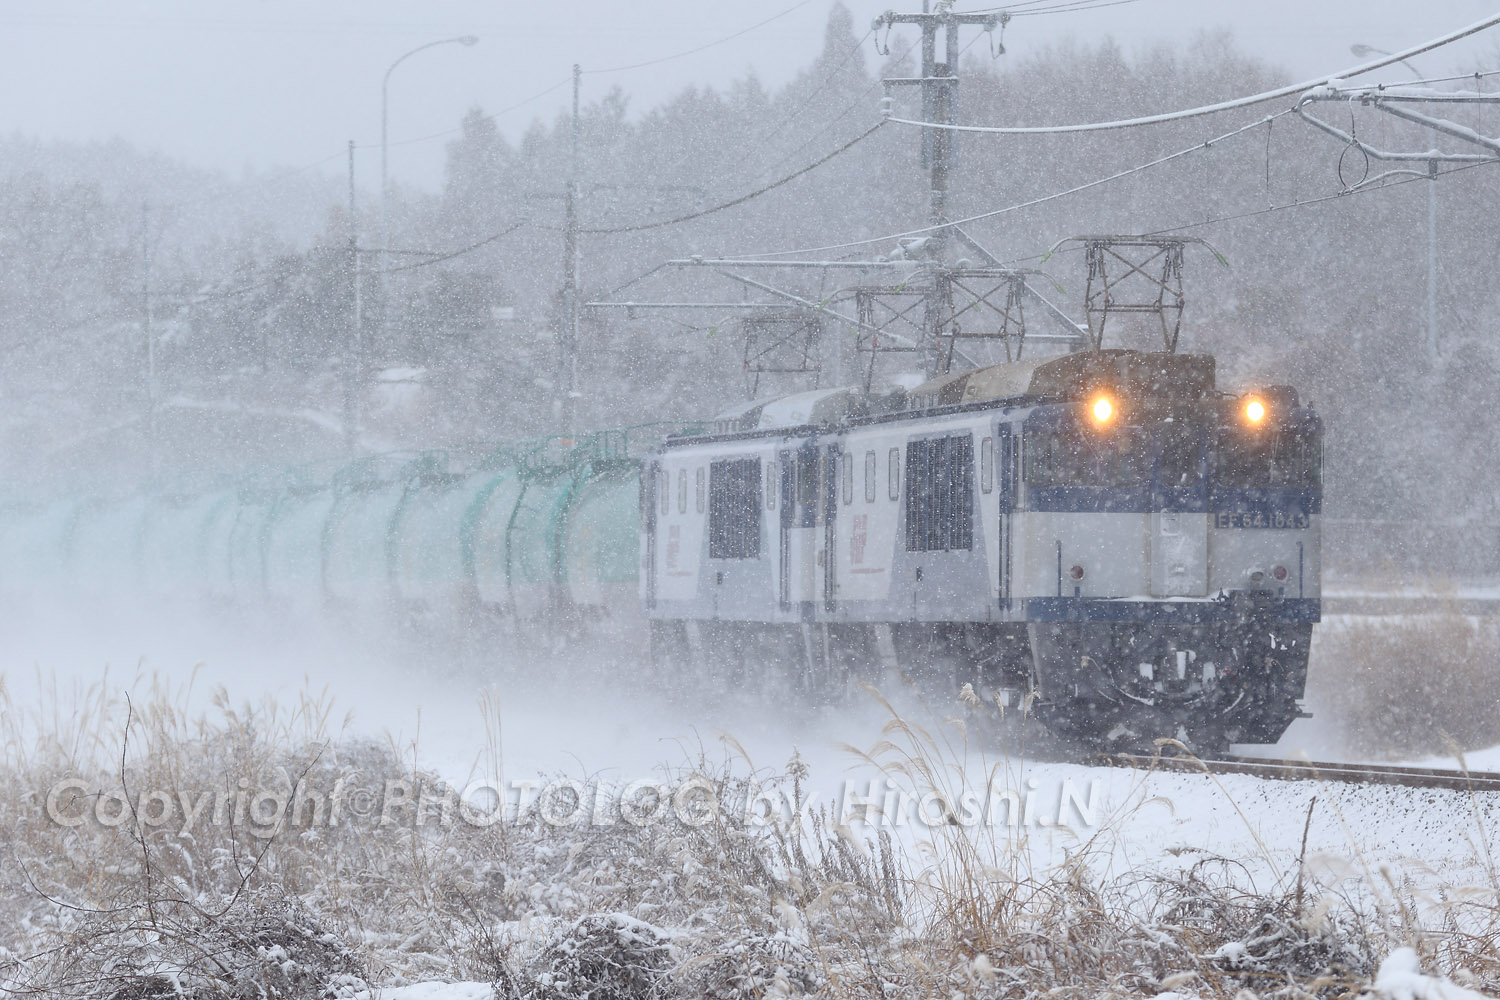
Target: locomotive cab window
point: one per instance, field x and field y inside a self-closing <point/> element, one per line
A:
<point x="987" y="465"/>
<point x="1181" y="445"/>
<point x="940" y="494"/>
<point x="869" y="477"/>
<point x="1284" y="459"/>
<point x="734" y="509"/>
<point x="682" y="491"/>
<point x="893" y="474"/>
<point x="848" y="478"/>
<point x="699" y="490"/>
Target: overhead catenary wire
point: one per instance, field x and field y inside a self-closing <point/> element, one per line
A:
<point x="1209" y="109"/>
<point x="1268" y="210"/>
<point x="1321" y="199"/>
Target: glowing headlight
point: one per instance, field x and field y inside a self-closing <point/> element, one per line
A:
<point x="1103" y="410"/>
<point x="1255" y="411"/>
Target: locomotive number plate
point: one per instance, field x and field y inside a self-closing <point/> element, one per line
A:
<point x="1260" y="519"/>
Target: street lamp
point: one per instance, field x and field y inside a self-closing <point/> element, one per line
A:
<point x="1361" y="51"/>
<point x="385" y="228"/>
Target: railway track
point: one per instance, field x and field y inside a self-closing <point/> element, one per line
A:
<point x="1304" y="770"/>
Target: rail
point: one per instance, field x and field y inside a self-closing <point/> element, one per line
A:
<point x="1309" y="770"/>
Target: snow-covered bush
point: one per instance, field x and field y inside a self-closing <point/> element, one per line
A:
<point x="303" y="906"/>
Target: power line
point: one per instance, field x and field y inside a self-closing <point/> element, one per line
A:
<point x="1068" y="8"/>
<point x="742" y="198"/>
<point x="1014" y="8"/>
<point x="812" y="95"/>
<point x="594" y="72"/>
<point x="488" y="117"/>
<point x="820" y="130"/>
<point x="1239" y="102"/>
<point x="1268" y="210"/>
<point x="1206" y="144"/>
<point x="462" y="250"/>
<point x="701" y="48"/>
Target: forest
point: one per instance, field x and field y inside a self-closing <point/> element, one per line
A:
<point x="163" y="323"/>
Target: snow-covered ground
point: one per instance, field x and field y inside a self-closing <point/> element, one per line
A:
<point x="565" y="719"/>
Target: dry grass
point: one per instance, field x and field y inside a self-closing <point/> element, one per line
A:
<point x="724" y="909"/>
<point x="1409" y="686"/>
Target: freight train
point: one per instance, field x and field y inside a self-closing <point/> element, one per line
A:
<point x="1104" y="534"/>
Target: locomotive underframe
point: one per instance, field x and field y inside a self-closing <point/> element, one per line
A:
<point x="1110" y="685"/>
<point x="1120" y="685"/>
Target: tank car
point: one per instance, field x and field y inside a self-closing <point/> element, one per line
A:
<point x="1106" y="534"/>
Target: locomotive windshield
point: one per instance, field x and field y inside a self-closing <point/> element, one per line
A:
<point x="1285" y="459"/>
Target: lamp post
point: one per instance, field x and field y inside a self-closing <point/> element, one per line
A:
<point x="1361" y="51"/>
<point x="385" y="228"/>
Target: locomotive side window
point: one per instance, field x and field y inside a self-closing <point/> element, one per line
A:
<point x="682" y="491"/>
<point x="987" y="465"/>
<point x="940" y="494"/>
<point x="734" y="509"/>
<point x="664" y="490"/>
<point x="893" y="474"/>
<point x="807" y="478"/>
<point x="771" y="486"/>
<point x="869" y="477"/>
<point x="848" y="477"/>
<point x="699" y="490"/>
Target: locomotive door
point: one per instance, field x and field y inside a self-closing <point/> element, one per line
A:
<point x="650" y="485"/>
<point x="1008" y="467"/>
<point x="786" y="470"/>
<point x="801" y="552"/>
<point x="828" y="553"/>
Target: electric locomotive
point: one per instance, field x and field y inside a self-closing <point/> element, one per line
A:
<point x="1105" y="534"/>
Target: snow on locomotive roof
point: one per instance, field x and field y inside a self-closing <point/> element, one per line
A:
<point x="1135" y="373"/>
<point x="816" y="407"/>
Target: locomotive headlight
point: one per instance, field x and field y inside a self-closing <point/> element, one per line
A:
<point x="1255" y="411"/>
<point x="1102" y="409"/>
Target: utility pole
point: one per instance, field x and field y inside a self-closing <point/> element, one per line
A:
<point x="916" y="300"/>
<point x="1432" y="261"/>
<point x="149" y="336"/>
<point x="567" y="337"/>
<point x="354" y="349"/>
<point x="939" y="83"/>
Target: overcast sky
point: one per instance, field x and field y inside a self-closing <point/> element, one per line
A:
<point x="258" y="83"/>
